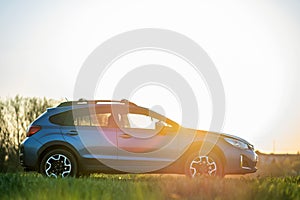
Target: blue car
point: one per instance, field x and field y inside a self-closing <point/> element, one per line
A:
<point x="79" y="137"/>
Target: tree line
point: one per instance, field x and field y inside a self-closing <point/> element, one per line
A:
<point x="16" y="113"/>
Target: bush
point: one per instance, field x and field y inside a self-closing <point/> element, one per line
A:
<point x="15" y="116"/>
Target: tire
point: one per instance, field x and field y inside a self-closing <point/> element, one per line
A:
<point x="209" y="165"/>
<point x="58" y="163"/>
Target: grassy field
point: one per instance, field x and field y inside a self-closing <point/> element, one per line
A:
<point x="98" y="186"/>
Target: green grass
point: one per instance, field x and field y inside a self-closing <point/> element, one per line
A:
<point x="98" y="186"/>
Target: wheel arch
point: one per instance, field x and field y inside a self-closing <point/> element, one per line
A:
<point x="57" y="145"/>
<point x="197" y="145"/>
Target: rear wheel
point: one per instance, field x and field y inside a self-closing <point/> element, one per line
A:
<point x="200" y="165"/>
<point x="58" y="163"/>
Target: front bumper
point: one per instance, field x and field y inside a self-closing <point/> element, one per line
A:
<point x="242" y="162"/>
<point x="248" y="164"/>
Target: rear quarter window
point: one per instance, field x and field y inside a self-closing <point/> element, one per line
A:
<point x="63" y="119"/>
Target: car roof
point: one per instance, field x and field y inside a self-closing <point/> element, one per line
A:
<point x="95" y="102"/>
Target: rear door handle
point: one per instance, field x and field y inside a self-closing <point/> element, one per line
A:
<point x="72" y="132"/>
<point x="125" y="136"/>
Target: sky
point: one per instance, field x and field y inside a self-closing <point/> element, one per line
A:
<point x="254" y="45"/>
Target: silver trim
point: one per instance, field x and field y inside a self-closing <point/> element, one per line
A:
<point x="247" y="168"/>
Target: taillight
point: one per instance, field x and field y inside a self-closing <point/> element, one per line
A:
<point x="32" y="130"/>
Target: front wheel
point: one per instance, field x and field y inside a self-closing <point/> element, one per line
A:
<point x="199" y="165"/>
<point x="58" y="163"/>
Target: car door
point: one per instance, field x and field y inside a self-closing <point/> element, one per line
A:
<point x="91" y="134"/>
<point x="146" y="142"/>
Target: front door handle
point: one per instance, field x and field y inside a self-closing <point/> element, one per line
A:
<point x="125" y="136"/>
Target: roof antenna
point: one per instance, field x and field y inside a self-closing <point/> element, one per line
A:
<point x="66" y="99"/>
<point x="82" y="99"/>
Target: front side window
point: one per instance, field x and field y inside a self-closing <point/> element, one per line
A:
<point x="141" y="121"/>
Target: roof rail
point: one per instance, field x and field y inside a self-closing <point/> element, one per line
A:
<point x="85" y="102"/>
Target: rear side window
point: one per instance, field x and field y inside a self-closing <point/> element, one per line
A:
<point x="82" y="117"/>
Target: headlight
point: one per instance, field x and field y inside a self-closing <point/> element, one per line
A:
<point x="237" y="143"/>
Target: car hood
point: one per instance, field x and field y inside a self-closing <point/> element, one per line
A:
<point x="235" y="137"/>
<point x="224" y="135"/>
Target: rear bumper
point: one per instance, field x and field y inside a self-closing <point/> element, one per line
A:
<point x="28" y="156"/>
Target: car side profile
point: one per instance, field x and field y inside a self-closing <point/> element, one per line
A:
<point x="105" y="136"/>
